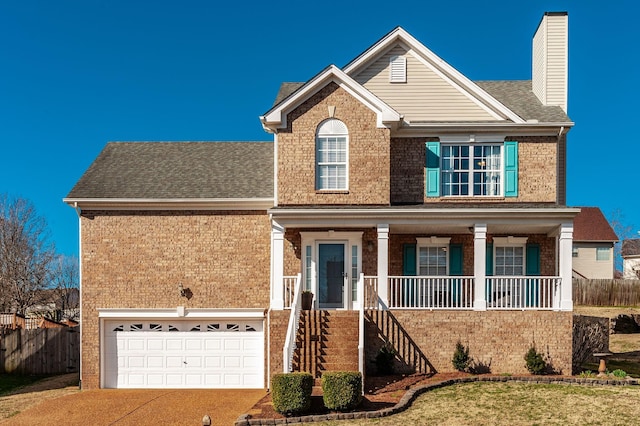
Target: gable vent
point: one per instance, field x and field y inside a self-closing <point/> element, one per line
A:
<point x="398" y="69"/>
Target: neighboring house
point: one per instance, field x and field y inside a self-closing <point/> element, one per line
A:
<point x="420" y="207"/>
<point x="593" y="242"/>
<point x="631" y="259"/>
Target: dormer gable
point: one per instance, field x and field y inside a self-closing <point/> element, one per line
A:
<point x="421" y="86"/>
<point x="276" y="117"/>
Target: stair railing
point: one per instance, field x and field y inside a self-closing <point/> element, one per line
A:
<point x="361" y="327"/>
<point x="292" y="328"/>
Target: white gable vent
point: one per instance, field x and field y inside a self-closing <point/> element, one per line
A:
<point x="398" y="69"/>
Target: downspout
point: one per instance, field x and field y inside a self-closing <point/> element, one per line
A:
<point x="79" y="213"/>
<point x="563" y="199"/>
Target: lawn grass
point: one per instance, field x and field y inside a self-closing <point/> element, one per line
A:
<point x="9" y="382"/>
<point x="517" y="404"/>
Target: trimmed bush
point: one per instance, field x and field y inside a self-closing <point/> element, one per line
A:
<point x="384" y="359"/>
<point x="291" y="392"/>
<point x="461" y="359"/>
<point x="535" y="361"/>
<point x="341" y="390"/>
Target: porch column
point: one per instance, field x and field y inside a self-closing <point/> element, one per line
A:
<point x="383" y="265"/>
<point x="566" y="260"/>
<point x="480" y="266"/>
<point x="277" y="266"/>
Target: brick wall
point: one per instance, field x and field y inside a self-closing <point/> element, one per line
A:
<point x="368" y="167"/>
<point x="537" y="171"/>
<point x="498" y="340"/>
<point x="137" y="259"/>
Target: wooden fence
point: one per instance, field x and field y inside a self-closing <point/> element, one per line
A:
<point x="40" y="351"/>
<point x="606" y="292"/>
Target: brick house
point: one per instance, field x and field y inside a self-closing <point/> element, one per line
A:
<point x="419" y="207"/>
<point x="593" y="245"/>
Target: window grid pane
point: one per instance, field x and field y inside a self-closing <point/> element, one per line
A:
<point x="331" y="154"/>
<point x="433" y="261"/>
<point x="354" y="273"/>
<point x="470" y="170"/>
<point x="509" y="261"/>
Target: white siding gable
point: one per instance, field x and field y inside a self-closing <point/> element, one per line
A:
<point x="427" y="95"/>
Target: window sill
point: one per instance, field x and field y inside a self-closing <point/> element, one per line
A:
<point x="331" y="191"/>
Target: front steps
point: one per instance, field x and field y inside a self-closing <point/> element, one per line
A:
<point x="326" y="341"/>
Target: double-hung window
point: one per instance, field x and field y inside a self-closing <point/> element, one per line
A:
<point x="509" y="255"/>
<point x="472" y="169"/>
<point x="432" y="256"/>
<point x="332" y="140"/>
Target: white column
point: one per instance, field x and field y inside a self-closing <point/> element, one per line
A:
<point x="566" y="259"/>
<point x="277" y="266"/>
<point x="383" y="265"/>
<point x="480" y="266"/>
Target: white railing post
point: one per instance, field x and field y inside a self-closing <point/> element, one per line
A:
<point x="383" y="265"/>
<point x="566" y="259"/>
<point x="277" y="266"/>
<point x="480" y="266"/>
<point x="292" y="327"/>
<point x="361" y="327"/>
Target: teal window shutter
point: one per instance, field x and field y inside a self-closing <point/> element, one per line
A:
<point x="489" y="269"/>
<point x="532" y="267"/>
<point x="409" y="260"/>
<point x="432" y="183"/>
<point x="533" y="259"/>
<point x="511" y="169"/>
<point x="455" y="259"/>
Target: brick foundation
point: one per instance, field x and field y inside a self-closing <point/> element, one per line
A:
<point x="498" y="340"/>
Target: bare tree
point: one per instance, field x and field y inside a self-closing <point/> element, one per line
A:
<point x="64" y="283"/>
<point x="624" y="232"/>
<point x="25" y="254"/>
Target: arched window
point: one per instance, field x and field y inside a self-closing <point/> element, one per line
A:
<point x="332" y="140"/>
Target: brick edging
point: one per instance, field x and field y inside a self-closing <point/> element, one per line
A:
<point x="410" y="396"/>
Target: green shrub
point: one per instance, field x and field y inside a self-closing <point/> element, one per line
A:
<point x="341" y="390"/>
<point x="535" y="361"/>
<point x="461" y="359"/>
<point x="291" y="392"/>
<point x="587" y="374"/>
<point x="619" y="373"/>
<point x="384" y="359"/>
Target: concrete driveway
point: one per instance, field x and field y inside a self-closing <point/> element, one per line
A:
<point x="141" y="407"/>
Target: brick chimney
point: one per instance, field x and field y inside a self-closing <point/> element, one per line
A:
<point x="550" y="59"/>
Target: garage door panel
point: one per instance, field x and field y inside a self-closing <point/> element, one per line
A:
<point x="187" y="354"/>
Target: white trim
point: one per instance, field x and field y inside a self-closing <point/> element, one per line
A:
<point x="276" y="118"/>
<point x="180" y="312"/>
<point x="510" y="241"/>
<point x="171" y="203"/>
<point x="480" y="265"/>
<point x="349" y="239"/>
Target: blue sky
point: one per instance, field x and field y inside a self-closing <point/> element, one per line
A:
<point x="75" y="75"/>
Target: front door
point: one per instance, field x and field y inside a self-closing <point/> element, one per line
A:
<point x="331" y="275"/>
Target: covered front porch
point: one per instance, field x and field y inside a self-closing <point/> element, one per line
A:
<point x="421" y="258"/>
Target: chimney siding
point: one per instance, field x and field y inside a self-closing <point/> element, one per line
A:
<point x="550" y="59"/>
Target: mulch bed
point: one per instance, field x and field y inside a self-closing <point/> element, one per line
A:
<point x="380" y="392"/>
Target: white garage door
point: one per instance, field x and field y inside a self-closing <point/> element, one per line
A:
<point x="184" y="354"/>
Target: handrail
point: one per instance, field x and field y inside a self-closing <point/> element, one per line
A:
<point x="292" y="328"/>
<point x="361" y="327"/>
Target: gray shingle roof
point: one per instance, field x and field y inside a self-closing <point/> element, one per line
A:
<point x="518" y="96"/>
<point x="514" y="94"/>
<point x="169" y="170"/>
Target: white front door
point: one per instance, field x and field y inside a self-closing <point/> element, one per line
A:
<point x="183" y="354"/>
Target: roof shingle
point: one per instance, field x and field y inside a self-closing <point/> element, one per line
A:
<point x="591" y="225"/>
<point x="179" y="170"/>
